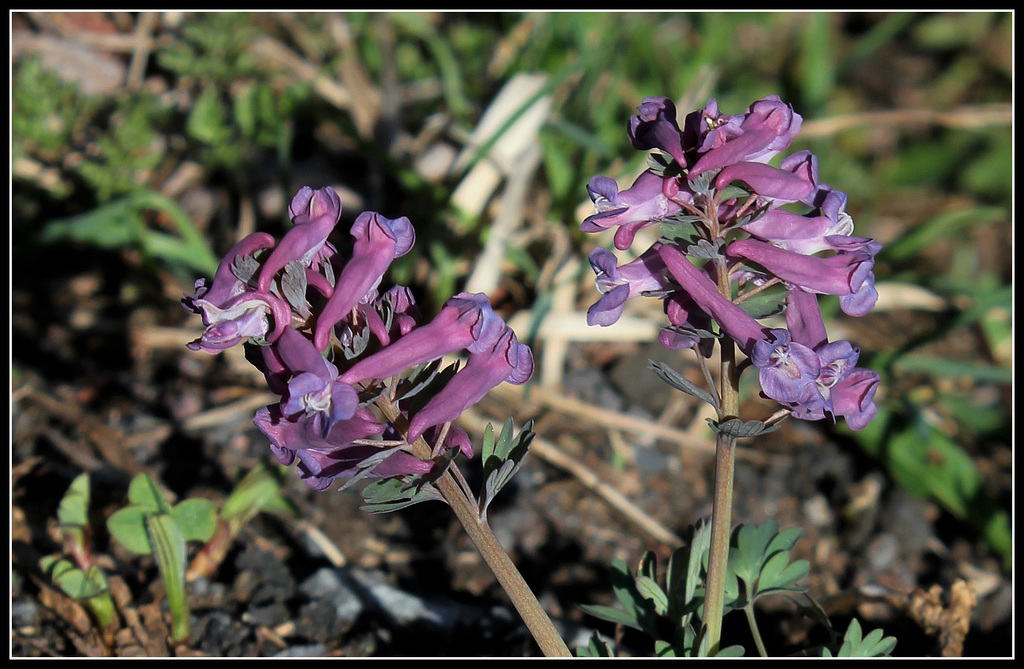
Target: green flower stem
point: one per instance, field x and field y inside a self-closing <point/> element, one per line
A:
<point x="752" y="622"/>
<point x="721" y="524"/>
<point x="532" y="613"/>
<point x="725" y="465"/>
<point x="511" y="581"/>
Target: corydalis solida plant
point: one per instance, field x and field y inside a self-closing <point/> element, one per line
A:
<point x="357" y="370"/>
<point x="726" y="236"/>
<point x="729" y="233"/>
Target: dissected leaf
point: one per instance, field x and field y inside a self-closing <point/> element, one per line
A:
<point x="857" y="645"/>
<point x="679" y="382"/>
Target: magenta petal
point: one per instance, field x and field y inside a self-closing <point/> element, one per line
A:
<point x="735" y="322"/>
<point x="803" y="318"/>
<point x="766" y="181"/>
<point x="314" y="215"/>
<point x="379" y="240"/>
<point x="509" y="360"/>
<point x="464" y="320"/>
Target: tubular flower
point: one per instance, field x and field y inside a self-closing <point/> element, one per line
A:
<point x="735" y="322"/>
<point x="314" y="215"/>
<point x="683" y="314"/>
<point x="787" y="371"/>
<point x="379" y="240"/>
<point x="314" y="389"/>
<point x="507" y="360"/>
<point x="619" y="283"/>
<point x="847" y="274"/>
<point x="643" y="204"/>
<point x="767" y="128"/>
<point x="749" y="243"/>
<point x="231" y="311"/>
<point x="655" y="127"/>
<point x="848" y="390"/>
<point x="466" y="321"/>
<point x="318" y="422"/>
<point x="325" y="458"/>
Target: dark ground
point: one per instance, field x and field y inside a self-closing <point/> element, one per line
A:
<point x="106" y="392"/>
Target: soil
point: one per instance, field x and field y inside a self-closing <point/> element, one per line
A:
<point x="105" y="389"/>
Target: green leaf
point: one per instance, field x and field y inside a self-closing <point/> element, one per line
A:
<point x="741" y="429"/>
<point x="730" y="651"/>
<point x="597" y="647"/>
<point x="502" y="458"/>
<point x="679" y="382"/>
<point x="872" y="645"/>
<point x="170" y="553"/>
<point x="144" y="492"/>
<point x="779" y="575"/>
<point x="79" y="585"/>
<point x="196" y="518"/>
<point x="766" y="303"/>
<point x="926" y="462"/>
<point x="392" y="494"/>
<point x="207" y="120"/>
<point x="949" y="225"/>
<point x="259" y="490"/>
<point x="73" y="511"/>
<point x="612" y="615"/>
<point x="649" y="589"/>
<point x="760" y="558"/>
<point x="684" y="574"/>
<point x="128" y="526"/>
<point x="121" y="224"/>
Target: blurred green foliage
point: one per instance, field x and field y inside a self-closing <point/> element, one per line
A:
<point x="937" y="192"/>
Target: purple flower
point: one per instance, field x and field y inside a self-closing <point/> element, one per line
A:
<point x="507" y="360"/>
<point x="655" y="127"/>
<point x="847" y="274"/>
<point x="379" y="240"/>
<point x="803" y="319"/>
<point x="735" y="322"/>
<point x="794" y="181"/>
<point x="314" y="215"/>
<point x="231" y="311"/>
<point x="710" y="128"/>
<point x="641" y="205"/>
<point x="241" y="318"/>
<point x="787" y="371"/>
<point x="313" y="390"/>
<point x="225" y="284"/>
<point x="683" y="313"/>
<point x="399" y="308"/>
<point x="768" y="127"/>
<point x="322" y="459"/>
<point x="846" y="390"/>
<point x="853" y="397"/>
<point x="805" y="235"/>
<point x="619" y="283"/>
<point x="466" y="321"/>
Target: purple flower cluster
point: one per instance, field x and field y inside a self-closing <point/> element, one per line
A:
<point x="325" y="337"/>
<point x="713" y="178"/>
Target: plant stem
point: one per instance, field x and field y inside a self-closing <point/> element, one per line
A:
<point x="756" y="633"/>
<point x="532" y="613"/>
<point x="721" y="517"/>
<point x="721" y="526"/>
<point x="511" y="581"/>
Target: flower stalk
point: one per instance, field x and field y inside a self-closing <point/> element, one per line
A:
<point x="490" y="549"/>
